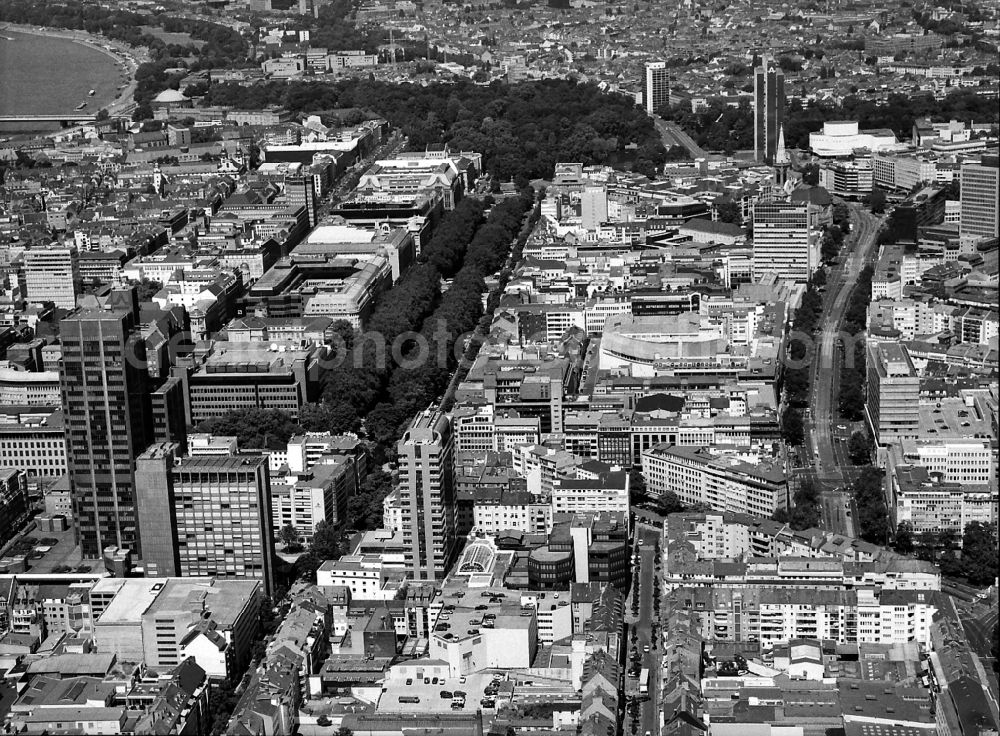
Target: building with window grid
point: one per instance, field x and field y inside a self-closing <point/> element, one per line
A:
<point x="427" y="495"/>
<point x="206" y="515"/>
<point x="782" y="243"/>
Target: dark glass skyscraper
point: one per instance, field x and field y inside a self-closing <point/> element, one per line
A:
<point x="108" y="420"/>
<point x="768" y="109"/>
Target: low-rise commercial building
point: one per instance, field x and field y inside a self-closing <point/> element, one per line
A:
<point x="723" y="481"/>
<point x="165" y="620"/>
<point x="254" y="376"/>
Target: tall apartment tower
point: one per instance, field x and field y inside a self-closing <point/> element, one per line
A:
<point x="782" y="243"/>
<point x="980" y="199"/>
<point x="205" y="515"/>
<point x="768" y="110"/>
<point x="892" y="404"/>
<point x="52" y="274"/>
<point x="300" y="191"/>
<point x="108" y="422"/>
<point x="657" y="86"/>
<point x="427" y="495"/>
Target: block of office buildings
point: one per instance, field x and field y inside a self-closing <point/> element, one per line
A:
<point x="254" y="375"/>
<point x="304" y="498"/>
<point x="160" y="621"/>
<point x="721" y="480"/>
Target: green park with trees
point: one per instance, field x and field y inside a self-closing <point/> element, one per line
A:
<point x="379" y="397"/>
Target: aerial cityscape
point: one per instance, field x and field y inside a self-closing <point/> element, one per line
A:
<point x="499" y="368"/>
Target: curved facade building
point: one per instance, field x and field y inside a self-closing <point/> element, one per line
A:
<point x="550" y="569"/>
<point x="644" y="344"/>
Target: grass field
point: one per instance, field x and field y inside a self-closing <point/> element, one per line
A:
<point x="179" y="38"/>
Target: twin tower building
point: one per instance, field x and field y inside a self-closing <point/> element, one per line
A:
<point x="768" y="103"/>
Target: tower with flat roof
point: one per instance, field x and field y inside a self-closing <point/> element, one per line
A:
<point x="108" y="421"/>
<point x="206" y="515"/>
<point x="657" y="86"/>
<point x="52" y="274"/>
<point x="893" y="401"/>
<point x="427" y="495"/>
<point x="980" y="199"/>
<point x="768" y="109"/>
<point x="782" y="242"/>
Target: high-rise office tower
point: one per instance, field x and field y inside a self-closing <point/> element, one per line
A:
<point x="300" y="191"/>
<point x="980" y="198"/>
<point x="427" y="495"/>
<point x="657" y="86"/>
<point x="108" y="420"/>
<point x="782" y="243"/>
<point x="892" y="405"/>
<point x="205" y="515"/>
<point x="768" y="109"/>
<point x="52" y="274"/>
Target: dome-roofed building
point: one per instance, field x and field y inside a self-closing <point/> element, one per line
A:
<point x="170" y="98"/>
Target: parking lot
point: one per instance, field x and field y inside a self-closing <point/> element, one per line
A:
<point x="430" y="695"/>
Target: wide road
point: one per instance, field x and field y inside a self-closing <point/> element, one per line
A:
<point x="672" y="135"/>
<point x="649" y="712"/>
<point x="828" y="433"/>
<point x="979" y="620"/>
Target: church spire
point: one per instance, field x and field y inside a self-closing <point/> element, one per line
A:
<point x="780" y="156"/>
<point x="781" y="160"/>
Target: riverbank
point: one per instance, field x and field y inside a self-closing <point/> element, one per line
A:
<point x="49" y="76"/>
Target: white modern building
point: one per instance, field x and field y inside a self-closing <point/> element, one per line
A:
<point x="606" y="492"/>
<point x="657" y="85"/>
<point x="842" y="138"/>
<point x="726" y="482"/>
<point x="52" y="274"/>
<point x="367" y="577"/>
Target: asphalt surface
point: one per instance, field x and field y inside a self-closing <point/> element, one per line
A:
<point x="649" y="711"/>
<point x="672" y="135"/>
<point x="979" y="621"/>
<point x="826" y="443"/>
